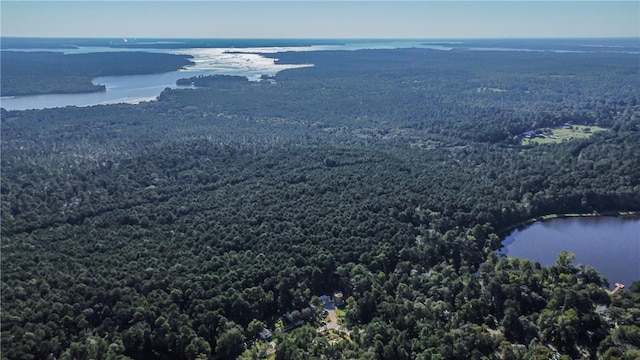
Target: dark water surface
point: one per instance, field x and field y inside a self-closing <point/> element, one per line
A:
<point x="610" y="244"/>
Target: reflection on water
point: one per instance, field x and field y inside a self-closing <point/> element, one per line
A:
<point x="136" y="88"/>
<point x="244" y="57"/>
<point x="610" y="244"/>
<point x="246" y="62"/>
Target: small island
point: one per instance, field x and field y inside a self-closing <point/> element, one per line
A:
<point x="212" y="81"/>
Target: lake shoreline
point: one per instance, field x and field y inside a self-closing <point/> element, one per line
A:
<point x="101" y="88"/>
<point x="504" y="232"/>
<point x="609" y="244"/>
<point x="251" y="58"/>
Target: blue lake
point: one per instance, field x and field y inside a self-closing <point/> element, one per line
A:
<point x="609" y="244"/>
<point x="248" y="62"/>
<point x="244" y="57"/>
<point x="119" y="89"/>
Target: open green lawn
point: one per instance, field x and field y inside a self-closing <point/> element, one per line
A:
<point x="563" y="134"/>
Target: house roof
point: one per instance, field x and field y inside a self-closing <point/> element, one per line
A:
<point x="265" y="334"/>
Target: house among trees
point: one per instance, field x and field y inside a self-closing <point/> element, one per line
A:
<point x="266" y="335"/>
<point x="325" y="299"/>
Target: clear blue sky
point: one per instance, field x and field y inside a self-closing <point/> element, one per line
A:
<point x="320" y="19"/>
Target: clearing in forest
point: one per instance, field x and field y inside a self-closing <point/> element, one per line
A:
<point x="568" y="132"/>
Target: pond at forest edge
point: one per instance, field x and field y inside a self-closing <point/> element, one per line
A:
<point x="609" y="244"/>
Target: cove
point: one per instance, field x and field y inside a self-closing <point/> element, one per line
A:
<point x="611" y="245"/>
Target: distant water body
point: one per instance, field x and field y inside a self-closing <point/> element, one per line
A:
<point x="609" y="244"/>
<point x="244" y="57"/>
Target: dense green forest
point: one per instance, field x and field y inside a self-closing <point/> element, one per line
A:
<point x="43" y="72"/>
<point x="178" y="229"/>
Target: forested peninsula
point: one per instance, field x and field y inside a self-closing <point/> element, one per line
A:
<point x="373" y="184"/>
<point x="45" y="72"/>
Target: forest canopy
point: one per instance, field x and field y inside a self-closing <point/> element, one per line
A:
<point x="181" y="228"/>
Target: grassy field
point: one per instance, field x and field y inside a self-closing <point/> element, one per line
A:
<point x="553" y="136"/>
<point x="489" y="89"/>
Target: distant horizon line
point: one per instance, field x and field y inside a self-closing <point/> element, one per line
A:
<point x="322" y="38"/>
